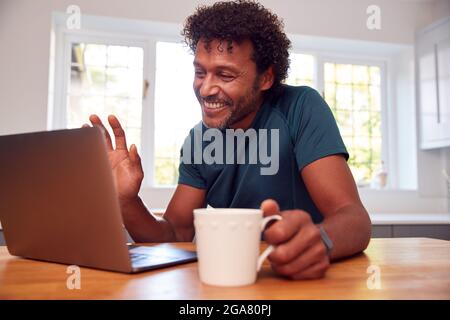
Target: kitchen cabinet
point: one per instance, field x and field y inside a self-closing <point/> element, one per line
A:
<point x="441" y="231"/>
<point x="433" y="84"/>
<point x="427" y="231"/>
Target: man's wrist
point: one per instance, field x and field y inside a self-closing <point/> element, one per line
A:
<point x="127" y="203"/>
<point x="326" y="240"/>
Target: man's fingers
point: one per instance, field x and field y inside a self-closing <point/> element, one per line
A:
<point x="300" y="244"/>
<point x="95" y="120"/>
<point x="315" y="271"/>
<point x="270" y="207"/>
<point x="284" y="229"/>
<point x="134" y="155"/>
<point x="119" y="133"/>
<point x="136" y="161"/>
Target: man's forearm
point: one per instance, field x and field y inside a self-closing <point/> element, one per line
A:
<point x="143" y="226"/>
<point x="349" y="229"/>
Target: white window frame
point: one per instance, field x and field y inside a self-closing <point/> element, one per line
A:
<point x="150" y="183"/>
<point x="63" y="41"/>
<point x="388" y="152"/>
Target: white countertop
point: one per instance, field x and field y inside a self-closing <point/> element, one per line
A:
<point x="389" y="218"/>
<point x="409" y="218"/>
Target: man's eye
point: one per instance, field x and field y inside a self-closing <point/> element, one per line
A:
<point x="226" y="77"/>
<point x="199" y="74"/>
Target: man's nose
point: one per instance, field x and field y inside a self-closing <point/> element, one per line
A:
<point x="208" y="87"/>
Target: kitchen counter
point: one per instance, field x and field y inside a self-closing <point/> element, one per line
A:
<point x="410" y="218"/>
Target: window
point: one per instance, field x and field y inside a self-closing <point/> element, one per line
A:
<point x="146" y="81"/>
<point x="113" y="74"/>
<point x="106" y="79"/>
<point x="301" y="71"/>
<point x="353" y="92"/>
<point x="176" y="108"/>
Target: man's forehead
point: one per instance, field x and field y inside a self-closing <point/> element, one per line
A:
<point x="242" y="50"/>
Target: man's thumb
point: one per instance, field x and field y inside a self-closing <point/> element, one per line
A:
<point x="270" y="207"/>
<point x="134" y="156"/>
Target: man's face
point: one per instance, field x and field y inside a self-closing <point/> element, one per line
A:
<point x="227" y="84"/>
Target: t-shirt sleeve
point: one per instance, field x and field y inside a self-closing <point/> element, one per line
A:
<point x="315" y="131"/>
<point x="189" y="173"/>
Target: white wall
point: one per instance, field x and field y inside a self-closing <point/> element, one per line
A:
<point x="25" y="41"/>
<point x="440" y="9"/>
<point x="347" y="18"/>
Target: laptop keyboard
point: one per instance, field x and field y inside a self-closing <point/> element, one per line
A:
<point x="136" y="257"/>
<point x="160" y="254"/>
<point x="139" y="258"/>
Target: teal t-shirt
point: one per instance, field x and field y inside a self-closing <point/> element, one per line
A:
<point x="307" y="131"/>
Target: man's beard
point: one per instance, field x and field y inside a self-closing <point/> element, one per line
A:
<point x="245" y="105"/>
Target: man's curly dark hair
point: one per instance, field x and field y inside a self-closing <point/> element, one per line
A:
<point x="241" y="20"/>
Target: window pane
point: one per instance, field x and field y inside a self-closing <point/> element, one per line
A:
<point x="90" y="54"/>
<point x="353" y="93"/>
<point x="363" y="153"/>
<point x="374" y="98"/>
<point x="344" y="73"/>
<point x="345" y="122"/>
<point x="136" y="58"/>
<point x="117" y="56"/>
<point x="330" y="73"/>
<point x="166" y="171"/>
<point x="376" y="150"/>
<point x="374" y="75"/>
<point x="80" y="107"/>
<point x="176" y="108"/>
<point x="361" y="97"/>
<point x="343" y="97"/>
<point x="117" y="106"/>
<point x="105" y="80"/>
<point x="87" y="80"/>
<point x="360" y="74"/>
<point x="375" y="124"/>
<point x="134" y="118"/>
<point x="361" y="123"/>
<point x="330" y="95"/>
<point x="301" y="71"/>
<point x="117" y="82"/>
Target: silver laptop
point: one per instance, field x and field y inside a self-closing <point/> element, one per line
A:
<point x="58" y="203"/>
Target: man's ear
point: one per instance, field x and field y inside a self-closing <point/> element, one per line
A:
<point x="267" y="79"/>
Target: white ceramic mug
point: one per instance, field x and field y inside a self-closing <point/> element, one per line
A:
<point x="228" y="245"/>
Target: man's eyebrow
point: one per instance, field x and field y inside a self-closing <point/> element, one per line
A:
<point x="226" y="67"/>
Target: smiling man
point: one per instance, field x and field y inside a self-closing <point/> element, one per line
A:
<point x="227" y="83"/>
<point x="241" y="59"/>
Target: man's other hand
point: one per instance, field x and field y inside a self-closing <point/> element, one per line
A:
<point x="299" y="250"/>
<point x="126" y="164"/>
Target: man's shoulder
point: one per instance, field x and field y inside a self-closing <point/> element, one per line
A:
<point x="291" y="97"/>
<point x="292" y="91"/>
<point x="292" y="102"/>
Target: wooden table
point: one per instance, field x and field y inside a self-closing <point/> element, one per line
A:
<point x="410" y="268"/>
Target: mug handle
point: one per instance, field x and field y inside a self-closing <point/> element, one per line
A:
<point x="270" y="248"/>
